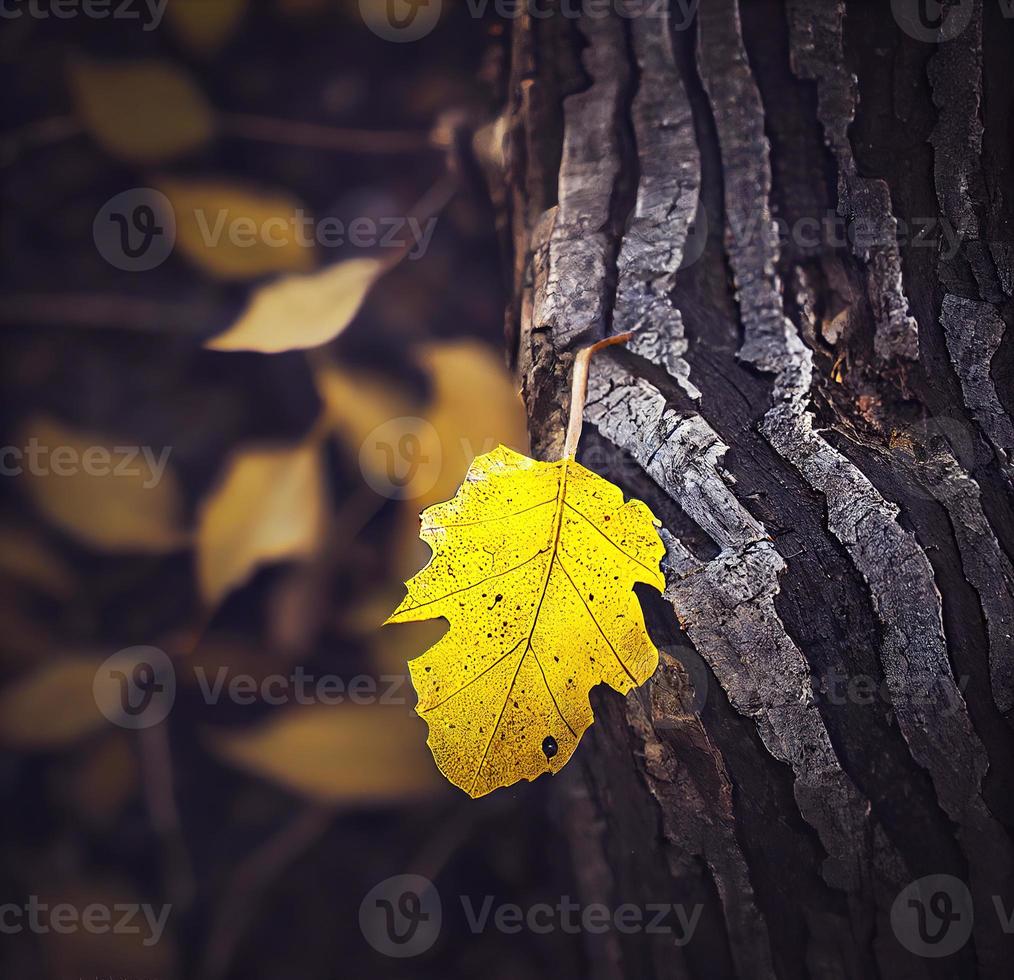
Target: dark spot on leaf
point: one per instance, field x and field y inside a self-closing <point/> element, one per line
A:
<point x="549" y="747"/>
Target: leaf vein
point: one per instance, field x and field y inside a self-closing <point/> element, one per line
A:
<point x="609" y="642"/>
<point x="626" y="555"/>
<point x="488" y="520"/>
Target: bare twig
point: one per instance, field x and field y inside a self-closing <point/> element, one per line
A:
<point x="288" y="132"/>
<point x="42" y="132"/>
<point x="159" y="794"/>
<point x="109" y="310"/>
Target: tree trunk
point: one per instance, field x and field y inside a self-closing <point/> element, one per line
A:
<point x="803" y="211"/>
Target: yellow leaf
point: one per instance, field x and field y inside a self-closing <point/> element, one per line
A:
<point x="206" y="25"/>
<point x="533" y="566"/>
<point x="50" y="707"/>
<point x="234" y="233"/>
<point x="351" y="753"/>
<point x="357" y="402"/>
<point x="141" y="111"/>
<point x="270" y="505"/>
<point x="475" y="408"/>
<point x="299" y="312"/>
<point x="108" y="495"/>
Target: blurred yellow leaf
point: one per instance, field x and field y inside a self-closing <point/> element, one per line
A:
<point x="205" y="25"/>
<point x="51" y="706"/>
<point x="141" y="111"/>
<point x="357" y="402"/>
<point x="233" y="233"/>
<point x="24" y="557"/>
<point x="475" y="408"/>
<point x="270" y="505"/>
<point x="299" y="312"/>
<point x="488" y="143"/>
<point x="352" y="753"/>
<point x="108" y="495"/>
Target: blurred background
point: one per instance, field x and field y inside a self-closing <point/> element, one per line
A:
<point x="252" y="303"/>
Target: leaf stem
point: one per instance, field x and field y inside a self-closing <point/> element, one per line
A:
<point x="579" y="390"/>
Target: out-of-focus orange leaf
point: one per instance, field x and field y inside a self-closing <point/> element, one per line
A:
<point x="106" y="494"/>
<point x="205" y="25"/>
<point x="50" y="707"/>
<point x="354" y="753"/>
<point x="299" y="312"/>
<point x="270" y="505"/>
<point x="236" y="234"/>
<point x="141" y="111"/>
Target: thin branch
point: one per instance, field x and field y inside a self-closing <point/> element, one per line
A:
<point x="160" y="798"/>
<point x="42" y="132"/>
<point x="252" y="878"/>
<point x="109" y="310"/>
<point x="287" y="132"/>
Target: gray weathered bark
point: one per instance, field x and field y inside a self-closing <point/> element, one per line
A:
<point x="823" y="425"/>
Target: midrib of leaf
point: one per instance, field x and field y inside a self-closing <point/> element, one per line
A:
<point x="557" y="526"/>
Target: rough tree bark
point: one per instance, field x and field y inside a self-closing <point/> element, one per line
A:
<point x="824" y="427"/>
